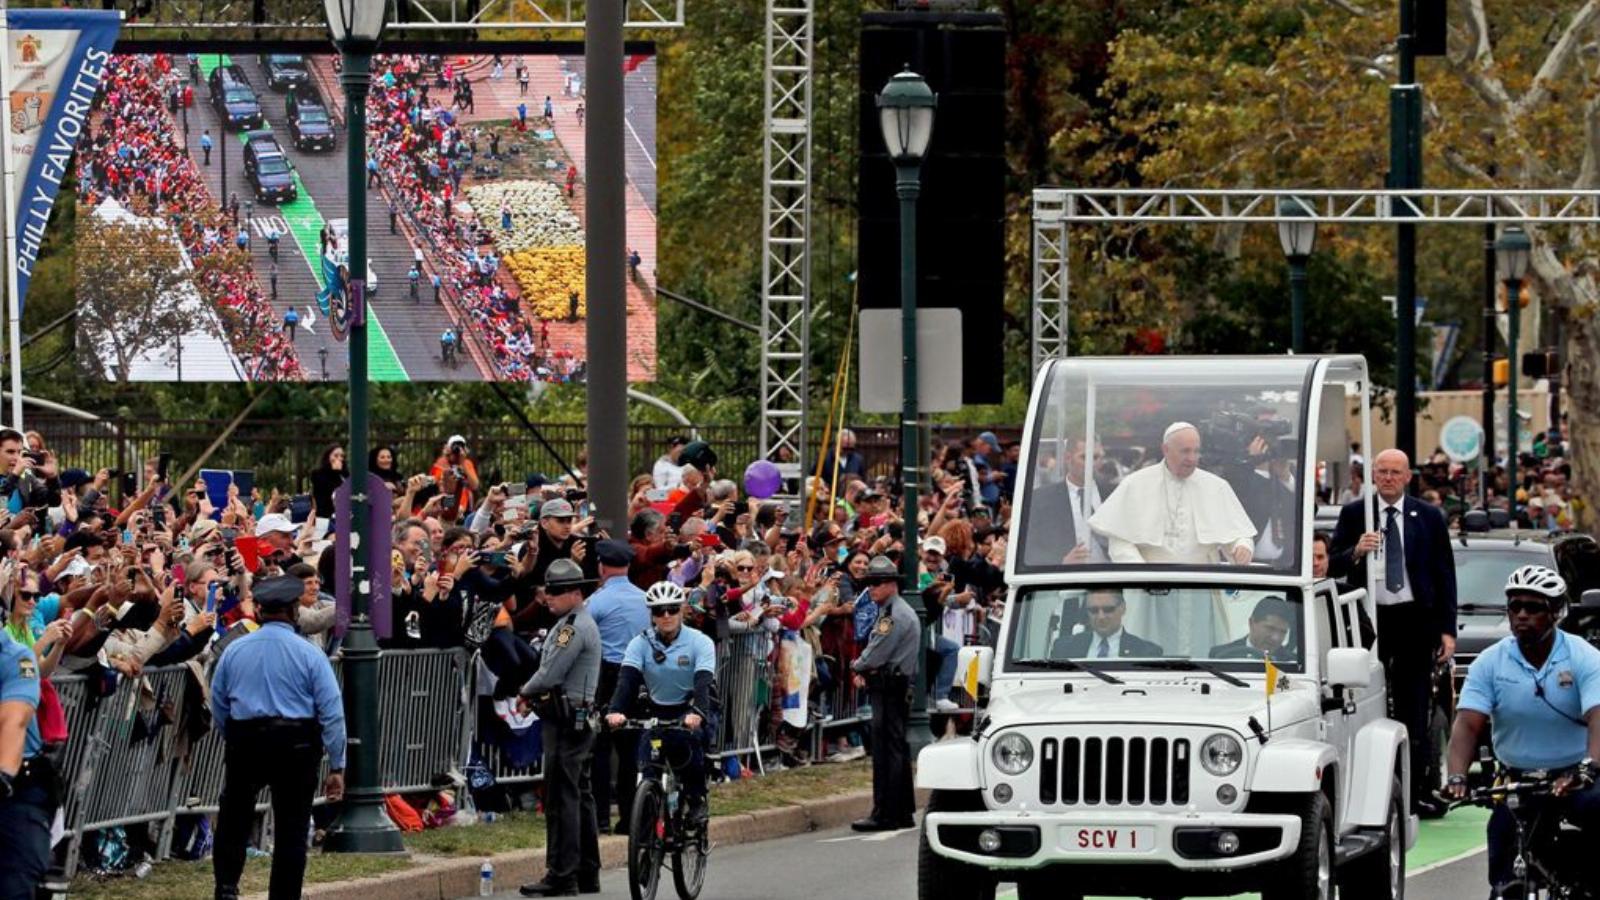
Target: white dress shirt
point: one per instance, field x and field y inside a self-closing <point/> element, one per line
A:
<point x="1384" y="596"/>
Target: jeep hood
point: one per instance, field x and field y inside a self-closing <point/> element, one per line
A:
<point x="1189" y="700"/>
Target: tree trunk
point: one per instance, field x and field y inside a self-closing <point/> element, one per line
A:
<point x="1581" y="360"/>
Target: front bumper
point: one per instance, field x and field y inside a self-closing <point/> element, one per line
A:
<point x="1181" y="841"/>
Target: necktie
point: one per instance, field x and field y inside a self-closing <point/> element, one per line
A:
<point x="1105" y="649"/>
<point x="1394" y="561"/>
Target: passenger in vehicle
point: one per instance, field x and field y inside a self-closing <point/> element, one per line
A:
<point x="1058" y="530"/>
<point x="1176" y="512"/>
<point x="1105" y="638"/>
<point x="1267" y="636"/>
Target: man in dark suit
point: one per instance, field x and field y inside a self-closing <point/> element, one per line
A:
<point x="1269" y="628"/>
<point x="1105" y="638"/>
<point x="1415" y="589"/>
<point x="1058" y="519"/>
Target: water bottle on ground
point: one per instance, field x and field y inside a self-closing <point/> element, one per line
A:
<point x="486" y="879"/>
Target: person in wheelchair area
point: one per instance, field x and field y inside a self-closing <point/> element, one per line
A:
<point x="677" y="667"/>
<point x="1540" y="687"/>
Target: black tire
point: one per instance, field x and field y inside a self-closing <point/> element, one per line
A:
<point x="1382" y="872"/>
<point x="1308" y="874"/>
<point x="939" y="878"/>
<point x="1036" y="887"/>
<point x="689" y="860"/>
<point x="645" y="840"/>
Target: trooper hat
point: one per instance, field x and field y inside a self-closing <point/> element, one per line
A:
<point x="563" y="575"/>
<point x="879" y="570"/>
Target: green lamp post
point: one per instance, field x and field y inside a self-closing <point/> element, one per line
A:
<point x="1297" y="233"/>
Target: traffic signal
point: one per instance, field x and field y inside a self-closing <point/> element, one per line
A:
<point x="1502" y="372"/>
<point x="1544" y="363"/>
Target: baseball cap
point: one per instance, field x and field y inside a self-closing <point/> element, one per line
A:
<point x="71" y="478"/>
<point x="275" y="523"/>
<point x="988" y="438"/>
<point x="934" y="544"/>
<point x="536" y="481"/>
<point x="698" y="454"/>
<point x="558" y="508"/>
<point x="454" y="440"/>
<point x="677" y="440"/>
<point x="614" y="553"/>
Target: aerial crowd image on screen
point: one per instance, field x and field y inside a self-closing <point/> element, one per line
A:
<point x="213" y="221"/>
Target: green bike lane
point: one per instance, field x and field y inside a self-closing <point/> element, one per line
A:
<point x="305" y="223"/>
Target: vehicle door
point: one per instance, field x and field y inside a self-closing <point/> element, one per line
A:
<point x="1336" y="622"/>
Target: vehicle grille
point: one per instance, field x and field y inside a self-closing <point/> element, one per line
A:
<point x="1114" y="771"/>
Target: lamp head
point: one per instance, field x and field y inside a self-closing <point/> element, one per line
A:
<point x="905" y="113"/>
<point x="1512" y="252"/>
<point x="1297" y="229"/>
<point x="354" y="21"/>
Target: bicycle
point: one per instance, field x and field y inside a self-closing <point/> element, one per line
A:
<point x="1549" y="857"/>
<point x="660" y="825"/>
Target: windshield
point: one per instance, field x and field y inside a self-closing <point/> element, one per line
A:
<point x="239" y="95"/>
<point x="1481" y="573"/>
<point x="1234" y="628"/>
<point x="1173" y="462"/>
<point x="274" y="165"/>
<point x="311" y="115"/>
<point x="287" y="60"/>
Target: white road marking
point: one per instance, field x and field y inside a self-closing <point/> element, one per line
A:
<point x="637" y="140"/>
<point x="1423" y="870"/>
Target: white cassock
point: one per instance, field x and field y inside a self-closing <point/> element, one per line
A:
<point x="1155" y="517"/>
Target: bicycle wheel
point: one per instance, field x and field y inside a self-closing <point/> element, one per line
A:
<point x="689" y="859"/>
<point x="646" y="840"/>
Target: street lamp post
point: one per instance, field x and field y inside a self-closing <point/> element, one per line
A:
<point x="363" y="825"/>
<point x="1298" y="235"/>
<point x="1512" y="252"/>
<point x="905" y="114"/>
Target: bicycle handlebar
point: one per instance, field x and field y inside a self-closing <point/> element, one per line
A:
<point x="1497" y="793"/>
<point x="675" y="722"/>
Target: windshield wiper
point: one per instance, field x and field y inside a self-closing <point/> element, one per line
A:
<point x="1189" y="665"/>
<point x="1065" y="664"/>
<point x="1481" y="607"/>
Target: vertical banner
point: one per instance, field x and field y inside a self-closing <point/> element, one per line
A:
<point x="54" y="63"/>
<point x="380" y="572"/>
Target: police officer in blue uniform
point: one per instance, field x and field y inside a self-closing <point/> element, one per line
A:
<point x="28" y="790"/>
<point x="619" y="612"/>
<point x="562" y="693"/>
<point x="677" y="666"/>
<point x="1540" y="687"/>
<point x="278" y="705"/>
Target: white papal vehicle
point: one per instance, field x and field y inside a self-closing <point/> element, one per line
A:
<point x="1176" y="706"/>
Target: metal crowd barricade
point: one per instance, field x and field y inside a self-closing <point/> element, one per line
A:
<point x="743" y="676"/>
<point x="424" y="701"/>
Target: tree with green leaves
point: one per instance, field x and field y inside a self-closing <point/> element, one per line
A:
<point x="135" y="295"/>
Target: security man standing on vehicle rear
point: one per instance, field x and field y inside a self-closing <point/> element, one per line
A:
<point x="562" y="693"/>
<point x="275" y="699"/>
<point x="886" y="668"/>
<point x="28" y="793"/>
<point x="1540" y="687"/>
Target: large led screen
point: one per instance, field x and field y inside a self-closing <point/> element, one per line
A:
<point x="213" y="219"/>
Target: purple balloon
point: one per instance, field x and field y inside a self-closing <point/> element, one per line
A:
<point x="762" y="479"/>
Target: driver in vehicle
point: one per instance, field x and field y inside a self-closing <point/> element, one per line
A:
<point x="1105" y="638"/>
<point x="1540" y="688"/>
<point x="1267" y="636"/>
<point x="1176" y="512"/>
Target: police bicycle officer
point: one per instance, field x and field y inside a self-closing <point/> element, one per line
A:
<point x="1540" y="688"/>
<point x="447" y="345"/>
<point x="28" y="786"/>
<point x="562" y="693"/>
<point x="276" y="701"/>
<point x="677" y="666"/>
<point x="886" y="668"/>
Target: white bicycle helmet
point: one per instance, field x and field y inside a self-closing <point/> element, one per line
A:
<point x="1537" y="580"/>
<point x="665" y="593"/>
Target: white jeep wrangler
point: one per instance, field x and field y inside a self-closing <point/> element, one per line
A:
<point x="1159" y="719"/>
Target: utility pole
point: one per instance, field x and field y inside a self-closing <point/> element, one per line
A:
<point x="606" y="336"/>
<point x="1405" y="171"/>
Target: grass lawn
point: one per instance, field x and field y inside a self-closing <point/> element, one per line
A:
<point x="510" y="831"/>
<point x="529" y="162"/>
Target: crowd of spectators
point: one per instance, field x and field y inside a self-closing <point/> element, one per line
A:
<point x="424" y="154"/>
<point x="134" y="154"/>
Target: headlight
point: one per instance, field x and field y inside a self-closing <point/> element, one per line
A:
<point x="1012" y="754"/>
<point x="1221" y="755"/>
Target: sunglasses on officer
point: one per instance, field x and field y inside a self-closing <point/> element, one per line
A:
<point x="657" y="612"/>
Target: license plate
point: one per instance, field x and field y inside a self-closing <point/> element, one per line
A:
<point x="1096" y="839"/>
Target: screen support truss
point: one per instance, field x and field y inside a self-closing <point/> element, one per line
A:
<point x="786" y="235"/>
<point x="1055" y="210"/>
<point x="267" y="19"/>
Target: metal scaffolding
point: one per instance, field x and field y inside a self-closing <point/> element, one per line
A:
<point x="1055" y="210"/>
<point x="786" y="234"/>
<point x="269" y="19"/>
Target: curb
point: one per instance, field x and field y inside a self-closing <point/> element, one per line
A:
<point x="448" y="879"/>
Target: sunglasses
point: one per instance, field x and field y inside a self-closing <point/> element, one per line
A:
<point x="28" y="595"/>
<point x="747" y="568"/>
<point x="1532" y="607"/>
<point x="659" y="612"/>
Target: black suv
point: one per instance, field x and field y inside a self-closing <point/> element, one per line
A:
<point x="268" y="168"/>
<point x="309" y="124"/>
<point x="234" y="99"/>
<point x="285" y="70"/>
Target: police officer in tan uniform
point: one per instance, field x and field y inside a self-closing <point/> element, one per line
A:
<point x="886" y="668"/>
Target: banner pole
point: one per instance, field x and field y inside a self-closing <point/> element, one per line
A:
<point x="9" y="164"/>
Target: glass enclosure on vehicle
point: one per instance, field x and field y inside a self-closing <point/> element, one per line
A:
<point x="1155" y="626"/>
<point x="1187" y="463"/>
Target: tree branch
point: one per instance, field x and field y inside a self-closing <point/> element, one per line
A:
<point x="1555" y="60"/>
<point x="1351" y="8"/>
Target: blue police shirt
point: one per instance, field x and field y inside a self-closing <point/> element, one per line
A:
<point x="670" y="682"/>
<point x="19" y="680"/>
<point x="276" y="672"/>
<point x="1528" y="732"/>
<point x="618" y="610"/>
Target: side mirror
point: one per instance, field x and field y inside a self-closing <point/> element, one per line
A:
<point x="974" y="665"/>
<point x="1590" y="599"/>
<point x="1349" y="667"/>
